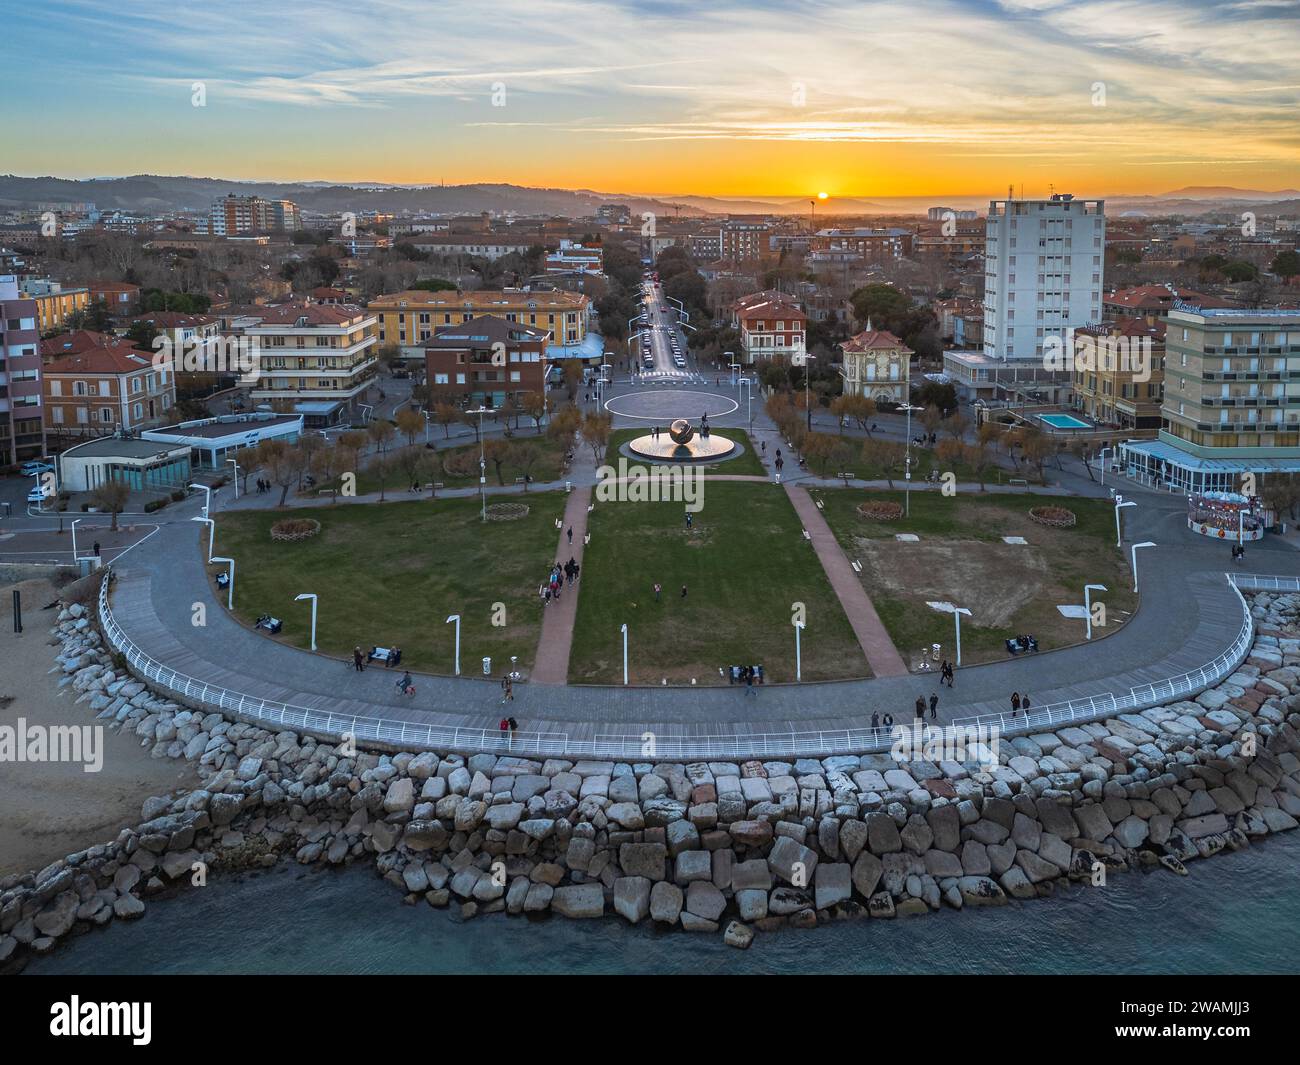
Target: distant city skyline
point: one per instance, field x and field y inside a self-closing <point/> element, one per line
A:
<point x="859" y="100"/>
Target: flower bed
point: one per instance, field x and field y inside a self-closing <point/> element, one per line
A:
<point x="507" y="511"/>
<point x="293" y="529"/>
<point x="880" y="510"/>
<point x="1058" y="517"/>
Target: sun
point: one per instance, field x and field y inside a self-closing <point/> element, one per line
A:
<point x="822" y="195"/>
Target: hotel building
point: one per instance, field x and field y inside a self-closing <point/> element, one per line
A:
<point x="22" y="427"/>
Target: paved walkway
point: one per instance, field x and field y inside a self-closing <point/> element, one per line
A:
<point x="551" y="664"/>
<point x="882" y="655"/>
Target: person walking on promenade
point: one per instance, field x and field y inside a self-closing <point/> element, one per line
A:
<point x="934" y="704"/>
<point x="507" y="689"/>
<point x="889" y="721"/>
<point x="658" y="590"/>
<point x="1024" y="702"/>
<point x="514" y="726"/>
<point x="690" y="519"/>
<point x="358" y="661"/>
<point x="569" y="534"/>
<point x="749" y="682"/>
<point x="920" y="707"/>
<point x="1015" y="703"/>
<point x="875" y="719"/>
<point x="948" y="673"/>
<point x="405" y="686"/>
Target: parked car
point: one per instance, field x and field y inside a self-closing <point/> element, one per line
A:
<point x="35" y="469"/>
<point x="39" y="495"/>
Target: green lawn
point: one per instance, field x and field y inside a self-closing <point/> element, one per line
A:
<point x="549" y="466"/>
<point x="744" y="564"/>
<point x="747" y="463"/>
<point x="393" y="574"/>
<point x="962" y="559"/>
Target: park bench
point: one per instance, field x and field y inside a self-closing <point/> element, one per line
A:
<point x="1018" y="482"/>
<point x="1018" y="645"/>
<point x="384" y="654"/>
<point x="270" y="624"/>
<point x="734" y="675"/>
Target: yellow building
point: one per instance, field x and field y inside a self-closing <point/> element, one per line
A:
<point x="877" y="365"/>
<point x="409" y="318"/>
<point x="1118" y="376"/>
<point x="54" y="303"/>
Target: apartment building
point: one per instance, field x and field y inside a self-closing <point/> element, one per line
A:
<point x="571" y="257"/>
<point x="54" y="303"/>
<point x="480" y="245"/>
<point x="860" y="245"/>
<point x="743" y="241"/>
<point x="234" y="215"/>
<point x="107" y="389"/>
<point x="1231" y="399"/>
<point x="1042" y="273"/>
<point x="771" y="325"/>
<point x="22" y="426"/>
<point x="1118" y="376"/>
<point x="407" y="319"/>
<point x="877" y="365"/>
<point x="481" y="361"/>
<point x="120" y="297"/>
<point x="310" y="358"/>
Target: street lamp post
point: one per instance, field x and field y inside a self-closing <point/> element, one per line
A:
<point x="798" y="651"/>
<point x="1134" y="554"/>
<point x="212" y="532"/>
<point x="482" y="462"/>
<point x="234" y="463"/>
<point x="1120" y="504"/>
<point x="312" y="597"/>
<point x="748" y="387"/>
<point x="456" y="619"/>
<point x="230" y="591"/>
<point x="730" y="356"/>
<point x="957" y="612"/>
<point x="207" y="497"/>
<point x="75" y="556"/>
<point x="624" y="631"/>
<point x="1087" y="602"/>
<point x="807" y="376"/>
<point x="907" y="463"/>
<point x="1102" y="455"/>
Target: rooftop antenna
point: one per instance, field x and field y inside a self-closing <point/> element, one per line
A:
<point x="1011" y="191"/>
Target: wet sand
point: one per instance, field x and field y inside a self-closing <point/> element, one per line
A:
<point x="51" y="809"/>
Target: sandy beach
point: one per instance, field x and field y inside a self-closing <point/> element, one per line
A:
<point x="50" y="809"/>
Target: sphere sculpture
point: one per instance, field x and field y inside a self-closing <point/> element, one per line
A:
<point x="681" y="431"/>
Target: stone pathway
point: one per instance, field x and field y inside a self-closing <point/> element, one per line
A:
<point x="882" y="655"/>
<point x="551" y="663"/>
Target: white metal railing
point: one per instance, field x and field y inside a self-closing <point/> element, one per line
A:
<point x="641" y="746"/>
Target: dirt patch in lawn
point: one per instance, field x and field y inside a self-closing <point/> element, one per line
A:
<point x="999" y="577"/>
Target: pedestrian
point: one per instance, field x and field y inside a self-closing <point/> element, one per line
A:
<point x="570" y="534"/>
<point x="658" y="589"/>
<point x="920" y="707"/>
<point x="507" y="689"/>
<point x="934" y="703"/>
<point x="405" y="686"/>
<point x="395" y="655"/>
<point x="889" y="721"/>
<point x="504" y="724"/>
<point x="577" y="571"/>
<point x="97" y="549"/>
<point x="951" y="674"/>
<point x="1015" y="703"/>
<point x="514" y="726"/>
<point x="875" y="719"/>
<point x="690" y="519"/>
<point x="749" y="682"/>
<point x="683" y="591"/>
<point x="388" y="661"/>
<point x="1024" y="702"/>
<point x="764" y="446"/>
<point x="358" y="661"/>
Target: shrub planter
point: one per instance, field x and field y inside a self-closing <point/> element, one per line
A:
<point x="292" y="530"/>
<point x="1057" y="517"/>
<point x="880" y="510"/>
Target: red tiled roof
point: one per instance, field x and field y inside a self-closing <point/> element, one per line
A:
<point x="173" y="319"/>
<point x="79" y="340"/>
<point x="114" y="360"/>
<point x="874" y="340"/>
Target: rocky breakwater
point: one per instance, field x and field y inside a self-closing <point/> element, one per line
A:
<point x="707" y="846"/>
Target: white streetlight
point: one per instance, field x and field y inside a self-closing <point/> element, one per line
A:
<point x="1120" y="504"/>
<point x="212" y="532"/>
<point x="957" y="612"/>
<point x="236" y="465"/>
<point x="1087" y="603"/>
<point x="1102" y="455"/>
<point x="482" y="462"/>
<point x="907" y="462"/>
<point x="735" y="368"/>
<point x="75" y="556"/>
<point x="1134" y="554"/>
<point x="747" y="385"/>
<point x="624" y="630"/>
<point x="312" y="597"/>
<point x="230" y="597"/>
<point x="456" y="619"/>
<point x="807" y="377"/>
<point x="207" y="497"/>
<point x="798" y="652"/>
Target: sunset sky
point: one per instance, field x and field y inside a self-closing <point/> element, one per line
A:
<point x="901" y="97"/>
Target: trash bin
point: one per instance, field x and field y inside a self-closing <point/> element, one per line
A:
<point x="487" y="667"/>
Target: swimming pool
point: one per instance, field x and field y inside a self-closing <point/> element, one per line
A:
<point x="1064" y="421"/>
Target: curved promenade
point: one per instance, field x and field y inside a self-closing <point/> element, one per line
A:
<point x="1192" y="625"/>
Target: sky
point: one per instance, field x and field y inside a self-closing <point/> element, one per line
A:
<point x="715" y="97"/>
